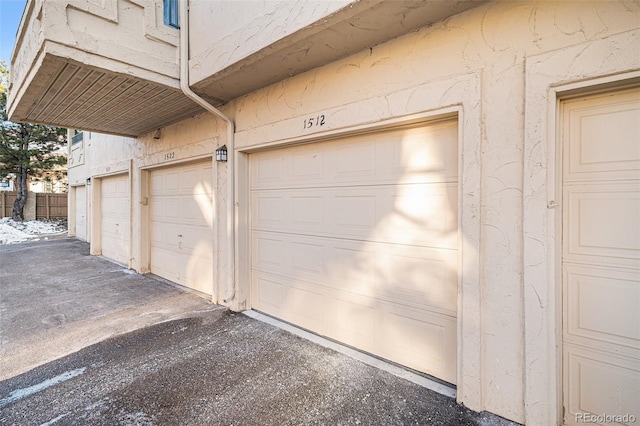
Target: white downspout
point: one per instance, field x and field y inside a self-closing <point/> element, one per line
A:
<point x="184" y="85"/>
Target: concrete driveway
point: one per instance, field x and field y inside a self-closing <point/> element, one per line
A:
<point x="84" y="341"/>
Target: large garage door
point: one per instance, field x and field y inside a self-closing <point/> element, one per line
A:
<point x="115" y="224"/>
<point x="182" y="225"/>
<point x="601" y="259"/>
<point x="81" y="212"/>
<point x="356" y="239"/>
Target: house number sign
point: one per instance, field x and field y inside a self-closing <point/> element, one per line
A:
<point x="170" y="155"/>
<point x="314" y="122"/>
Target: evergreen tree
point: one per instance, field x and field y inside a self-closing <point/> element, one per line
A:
<point x="27" y="150"/>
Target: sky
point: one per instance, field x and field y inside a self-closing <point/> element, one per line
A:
<point x="10" y="15"/>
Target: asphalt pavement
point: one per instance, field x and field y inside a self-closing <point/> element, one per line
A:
<point x="86" y="342"/>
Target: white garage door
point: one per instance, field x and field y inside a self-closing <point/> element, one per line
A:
<point x="182" y="225"/>
<point x="115" y="224"/>
<point x="601" y="258"/>
<point x="356" y="239"/>
<point x="81" y="213"/>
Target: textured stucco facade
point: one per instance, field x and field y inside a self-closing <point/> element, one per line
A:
<point x="501" y="69"/>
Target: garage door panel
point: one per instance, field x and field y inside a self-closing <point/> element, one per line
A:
<point x="427" y="154"/>
<point x="197" y="210"/>
<point x="195" y="272"/>
<point x="117" y="247"/>
<point x="298" y="302"/>
<point x="191" y="240"/>
<point x="351" y="266"/>
<point x="181" y="216"/>
<point x="268" y="293"/>
<point x="268" y="252"/>
<point x="166" y="209"/>
<point x="156" y="183"/>
<point x="307" y="164"/>
<point x="171" y="183"/>
<point x="117" y="228"/>
<point x="269" y="170"/>
<point x="305" y="305"/>
<point x="432" y="208"/>
<point x="355" y="160"/>
<point x="198" y="271"/>
<point x="615" y="321"/>
<point x="118" y="207"/>
<point x="354" y="211"/>
<point x="420" y="340"/>
<point x="601" y="383"/>
<point x="419" y="214"/>
<point x="81" y="212"/>
<point x="269" y="212"/>
<point x="352" y="319"/>
<point x="163" y="259"/>
<point x="602" y="221"/>
<point x="422" y="154"/>
<point x="606" y="139"/>
<point x="307" y="210"/>
<point x="419" y="274"/>
<point x="307" y="258"/>
<point x="115" y="218"/>
<point x="165" y="233"/>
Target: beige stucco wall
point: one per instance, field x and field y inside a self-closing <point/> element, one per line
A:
<point x="476" y="65"/>
<point x="241" y="28"/>
<point x="112" y="29"/>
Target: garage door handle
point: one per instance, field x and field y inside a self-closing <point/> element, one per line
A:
<point x="180" y="235"/>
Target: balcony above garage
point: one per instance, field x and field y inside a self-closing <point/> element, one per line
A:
<point x="238" y="47"/>
<point x="109" y="66"/>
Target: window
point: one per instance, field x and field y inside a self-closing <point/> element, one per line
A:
<point x="77" y="137"/>
<point x="171" y="13"/>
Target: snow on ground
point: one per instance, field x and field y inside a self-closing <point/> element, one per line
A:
<point x="31" y="230"/>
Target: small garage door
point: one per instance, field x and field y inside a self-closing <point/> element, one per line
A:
<point x="115" y="224"/>
<point x="601" y="258"/>
<point x="81" y="212"/>
<point x="182" y="225"/>
<point x="356" y="239"/>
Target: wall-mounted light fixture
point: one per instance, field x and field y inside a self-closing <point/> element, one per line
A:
<point x="88" y="181"/>
<point x="157" y="135"/>
<point x="221" y="154"/>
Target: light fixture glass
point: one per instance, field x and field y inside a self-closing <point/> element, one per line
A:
<point x="221" y="154"/>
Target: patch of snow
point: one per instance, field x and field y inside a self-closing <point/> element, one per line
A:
<point x="25" y="392"/>
<point x="17" y="232"/>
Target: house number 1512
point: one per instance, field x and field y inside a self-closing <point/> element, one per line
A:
<point x="314" y="122"/>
